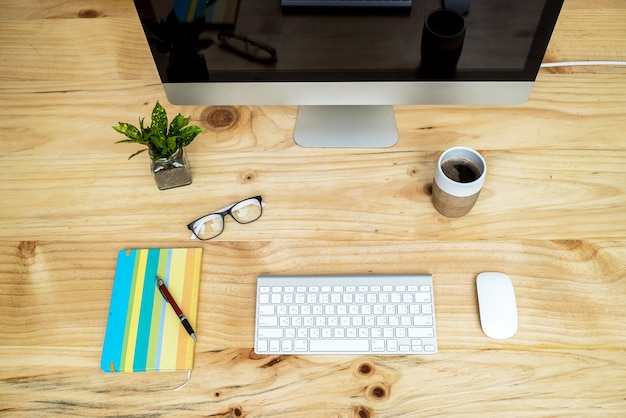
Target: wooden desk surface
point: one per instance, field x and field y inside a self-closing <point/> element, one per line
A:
<point x="552" y="215"/>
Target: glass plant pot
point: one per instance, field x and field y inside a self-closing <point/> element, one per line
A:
<point x="171" y="172"/>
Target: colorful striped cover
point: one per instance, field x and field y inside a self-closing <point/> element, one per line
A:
<point x="220" y="12"/>
<point x="143" y="332"/>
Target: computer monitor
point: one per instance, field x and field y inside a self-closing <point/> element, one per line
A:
<point x="346" y="67"/>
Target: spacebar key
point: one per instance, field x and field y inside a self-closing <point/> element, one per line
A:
<point x="338" y="346"/>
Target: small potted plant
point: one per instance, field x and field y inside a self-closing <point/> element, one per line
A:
<point x="165" y="145"/>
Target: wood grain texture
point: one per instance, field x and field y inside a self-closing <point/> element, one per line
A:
<point x="561" y="286"/>
<point x="570" y="340"/>
<point x="375" y="196"/>
<point x="236" y="383"/>
<point x="552" y="215"/>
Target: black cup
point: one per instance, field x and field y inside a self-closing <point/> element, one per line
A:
<point x="442" y="42"/>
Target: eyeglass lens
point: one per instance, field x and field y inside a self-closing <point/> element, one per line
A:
<point x="212" y="225"/>
<point x="246" y="211"/>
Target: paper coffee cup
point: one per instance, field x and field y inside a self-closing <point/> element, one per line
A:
<point x="458" y="180"/>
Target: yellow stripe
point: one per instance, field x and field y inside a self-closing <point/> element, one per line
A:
<point x="172" y="328"/>
<point x="190" y="298"/>
<point x="179" y="261"/>
<point x="191" y="11"/>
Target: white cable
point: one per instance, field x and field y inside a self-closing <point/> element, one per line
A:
<point x="581" y="63"/>
<point x="184" y="384"/>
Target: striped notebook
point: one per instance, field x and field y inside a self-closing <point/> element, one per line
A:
<point x="143" y="333"/>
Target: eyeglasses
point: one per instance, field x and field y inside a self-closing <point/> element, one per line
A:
<point x="247" y="48"/>
<point x="211" y="225"/>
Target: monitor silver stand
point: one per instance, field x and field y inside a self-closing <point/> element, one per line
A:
<point x="342" y="126"/>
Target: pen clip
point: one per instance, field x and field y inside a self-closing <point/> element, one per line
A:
<point x="160" y="283"/>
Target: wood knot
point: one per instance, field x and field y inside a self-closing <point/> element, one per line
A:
<point x="248" y="176"/>
<point x="221" y="118"/>
<point x="27" y="251"/>
<point x="88" y="13"/>
<point x="365" y="369"/>
<point x="377" y="392"/>
<point x="362" y="412"/>
<point x="237" y="411"/>
<point x="254" y="356"/>
<point x="27" y="248"/>
<point x="272" y="362"/>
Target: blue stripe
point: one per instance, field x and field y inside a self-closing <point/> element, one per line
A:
<point x="182" y="9"/>
<point x="145" y="314"/>
<point x="114" y="337"/>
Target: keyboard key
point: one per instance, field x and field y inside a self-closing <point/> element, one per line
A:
<point x="270" y="332"/>
<point x="268" y="321"/>
<point x="266" y="310"/>
<point x="423" y="320"/>
<point x="420" y="332"/>
<point x="378" y="345"/>
<point x="422" y="297"/>
<point x="338" y="346"/>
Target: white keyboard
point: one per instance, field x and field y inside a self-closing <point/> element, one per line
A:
<point x="345" y="314"/>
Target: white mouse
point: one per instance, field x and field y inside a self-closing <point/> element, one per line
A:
<point x="496" y="302"/>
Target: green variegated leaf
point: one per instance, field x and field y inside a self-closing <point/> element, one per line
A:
<point x="188" y="134"/>
<point x="178" y="123"/>
<point x="157" y="140"/>
<point x="129" y="130"/>
<point x="137" y="153"/>
<point x="171" y="144"/>
<point x="159" y="121"/>
<point x="127" y="141"/>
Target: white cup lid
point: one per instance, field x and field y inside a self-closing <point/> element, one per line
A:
<point x="456" y="188"/>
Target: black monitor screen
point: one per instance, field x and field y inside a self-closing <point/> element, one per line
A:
<point x="264" y="40"/>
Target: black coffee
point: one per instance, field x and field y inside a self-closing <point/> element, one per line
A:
<point x="460" y="170"/>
